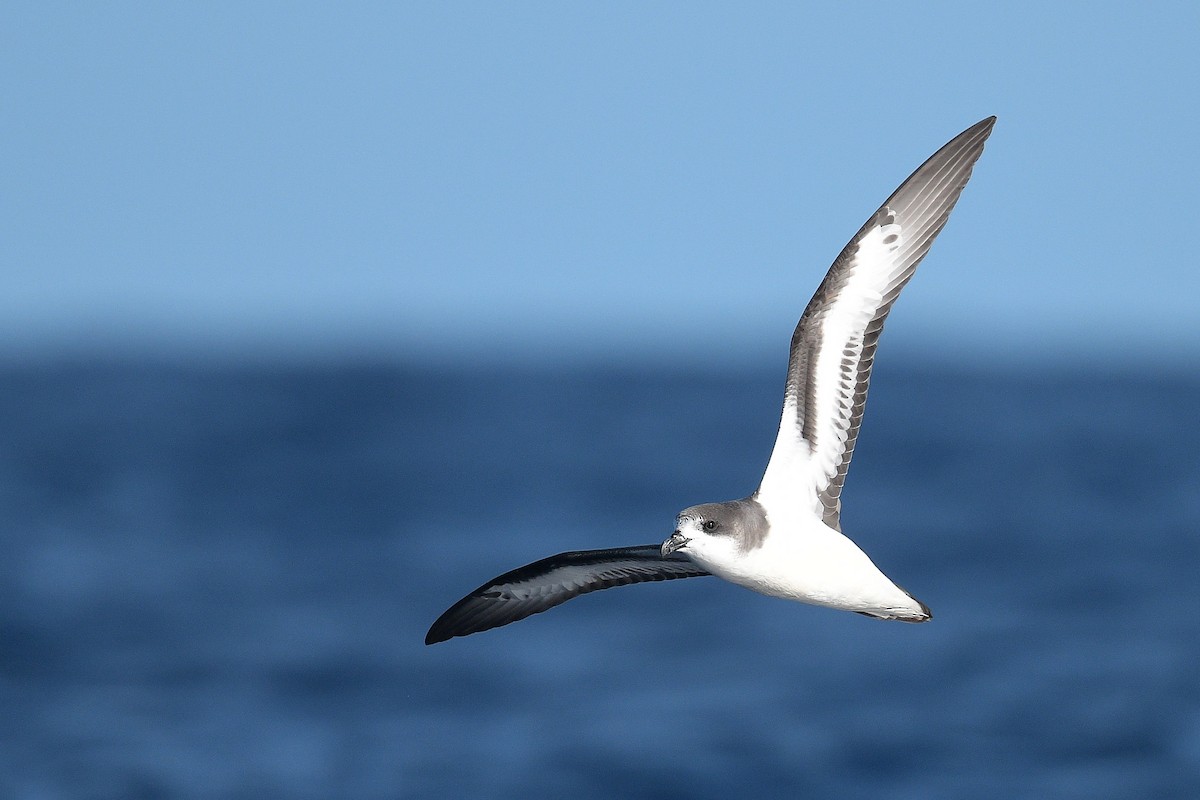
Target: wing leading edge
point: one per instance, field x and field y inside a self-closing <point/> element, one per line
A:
<point x="552" y="581"/>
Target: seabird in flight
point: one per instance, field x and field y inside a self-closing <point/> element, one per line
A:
<point x="785" y="540"/>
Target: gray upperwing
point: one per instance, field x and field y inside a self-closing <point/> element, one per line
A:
<point x="552" y="581"/>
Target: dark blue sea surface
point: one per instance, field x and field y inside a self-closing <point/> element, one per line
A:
<point x="215" y="582"/>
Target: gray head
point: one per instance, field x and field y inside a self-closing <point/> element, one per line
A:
<point x="740" y="525"/>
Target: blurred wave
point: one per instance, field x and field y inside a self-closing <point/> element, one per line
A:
<point x="216" y="581"/>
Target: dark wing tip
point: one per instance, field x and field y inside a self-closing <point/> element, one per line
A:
<point x="477" y="612"/>
<point x="984" y="126"/>
<point x="441" y="631"/>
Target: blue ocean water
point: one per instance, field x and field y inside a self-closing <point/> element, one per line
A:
<point x="216" y="580"/>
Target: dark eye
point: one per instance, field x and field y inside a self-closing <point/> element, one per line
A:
<point x="710" y="525"/>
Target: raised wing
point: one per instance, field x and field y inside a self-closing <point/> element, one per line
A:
<point x="834" y="344"/>
<point x="545" y="584"/>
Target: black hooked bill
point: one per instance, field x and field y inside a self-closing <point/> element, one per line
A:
<point x="676" y="541"/>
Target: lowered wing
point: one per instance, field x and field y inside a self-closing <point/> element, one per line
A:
<point x="552" y="581"/>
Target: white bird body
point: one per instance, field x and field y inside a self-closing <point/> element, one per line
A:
<point x="804" y="559"/>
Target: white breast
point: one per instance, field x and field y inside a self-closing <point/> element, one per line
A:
<point x="803" y="559"/>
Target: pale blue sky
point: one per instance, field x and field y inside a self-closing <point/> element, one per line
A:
<point x="563" y="180"/>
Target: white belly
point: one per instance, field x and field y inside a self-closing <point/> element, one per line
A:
<point x="812" y="563"/>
